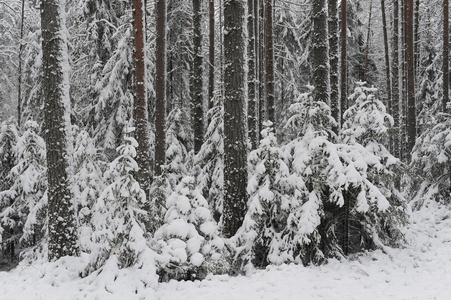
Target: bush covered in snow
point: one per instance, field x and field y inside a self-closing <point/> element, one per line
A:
<point x="188" y="244"/>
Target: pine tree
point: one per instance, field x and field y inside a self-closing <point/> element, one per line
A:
<point x="25" y="201"/>
<point x="87" y="184"/>
<point x="210" y="161"/>
<point x="55" y="91"/>
<point x="235" y="131"/>
<point x="8" y="159"/>
<point x="271" y="227"/>
<point x="118" y="217"/>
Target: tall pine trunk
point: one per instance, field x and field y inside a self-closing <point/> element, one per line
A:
<point x="387" y="58"/>
<point x="343" y="95"/>
<point x="160" y="86"/>
<point x="410" y="68"/>
<point x="269" y="60"/>
<point x="395" y="82"/>
<point x="211" y="53"/>
<point x="252" y="96"/>
<point x="445" y="54"/>
<point x="333" y="54"/>
<point x="198" y="105"/>
<point x="140" y="116"/>
<point x="55" y="64"/>
<point x="320" y="59"/>
<point x="235" y="127"/>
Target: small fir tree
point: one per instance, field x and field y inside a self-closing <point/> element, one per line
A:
<point x="188" y="244"/>
<point x="270" y="228"/>
<point x="25" y="201"/>
<point x="118" y="217"/>
<point x="210" y="161"/>
<point x="88" y="184"/>
<point x="8" y="159"/>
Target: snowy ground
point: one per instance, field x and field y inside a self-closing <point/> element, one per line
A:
<point x="422" y="270"/>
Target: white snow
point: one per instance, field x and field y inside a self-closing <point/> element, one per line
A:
<point x="421" y="270"/>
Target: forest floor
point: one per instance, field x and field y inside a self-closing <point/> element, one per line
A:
<point x="420" y="270"/>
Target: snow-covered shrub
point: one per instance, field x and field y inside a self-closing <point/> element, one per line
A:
<point x="188" y="244"/>
<point x="118" y="218"/>
<point x="270" y="229"/>
<point x="25" y="201"/>
<point x="87" y="184"/>
<point x="210" y="161"/>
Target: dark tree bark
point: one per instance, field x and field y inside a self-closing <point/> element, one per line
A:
<point x="320" y="59"/>
<point x="235" y="137"/>
<point x="19" y="83"/>
<point x="160" y="86"/>
<point x="211" y="53"/>
<point x="252" y="97"/>
<point x="367" y="51"/>
<point x="198" y="101"/>
<point x="445" y="54"/>
<point x="333" y="55"/>
<point x="269" y="63"/>
<point x="261" y="68"/>
<point x="410" y="67"/>
<point x="395" y="82"/>
<point x="417" y="35"/>
<point x="140" y="116"/>
<point x="61" y="223"/>
<point x="387" y="58"/>
<point x="344" y="83"/>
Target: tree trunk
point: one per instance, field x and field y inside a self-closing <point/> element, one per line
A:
<point x="333" y="55"/>
<point x="160" y="86"/>
<point x="235" y="137"/>
<point x="395" y="82"/>
<point x="261" y="69"/>
<point x="269" y="63"/>
<point x="343" y="96"/>
<point x="367" y="52"/>
<point x="198" y="103"/>
<point x="19" y="80"/>
<point x="211" y="53"/>
<point x="252" y="99"/>
<point x="410" y="64"/>
<point x="445" y="53"/>
<point x="387" y="58"/>
<point x="417" y="35"/>
<point x="140" y="116"/>
<point x="320" y="59"/>
<point x="55" y="90"/>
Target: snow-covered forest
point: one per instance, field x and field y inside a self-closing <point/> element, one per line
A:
<point x="235" y="149"/>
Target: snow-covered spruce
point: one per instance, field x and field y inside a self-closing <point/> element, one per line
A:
<point x="176" y="167"/>
<point x="8" y="159"/>
<point x="431" y="164"/>
<point x="210" y="161"/>
<point x="269" y="231"/>
<point x="118" y="219"/>
<point x="188" y="244"/>
<point x="344" y="186"/>
<point x="25" y="201"/>
<point x="87" y="184"/>
<point x="367" y="124"/>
